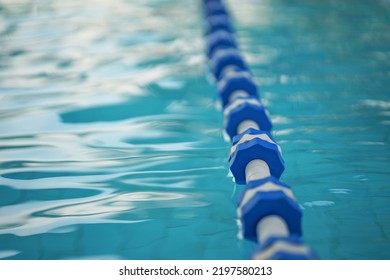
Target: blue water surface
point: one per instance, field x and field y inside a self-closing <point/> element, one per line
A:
<point x="111" y="138"/>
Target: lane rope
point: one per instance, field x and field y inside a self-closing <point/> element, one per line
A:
<point x="267" y="209"/>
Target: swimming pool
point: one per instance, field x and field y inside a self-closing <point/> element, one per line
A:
<point x="112" y="144"/>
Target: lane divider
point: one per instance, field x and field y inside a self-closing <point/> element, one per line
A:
<point x="267" y="209"/>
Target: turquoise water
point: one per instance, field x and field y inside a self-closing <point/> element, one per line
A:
<point x="111" y="142"/>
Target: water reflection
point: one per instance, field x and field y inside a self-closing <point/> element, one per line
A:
<point x="111" y="145"/>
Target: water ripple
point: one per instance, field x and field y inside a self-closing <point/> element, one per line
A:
<point x="111" y="146"/>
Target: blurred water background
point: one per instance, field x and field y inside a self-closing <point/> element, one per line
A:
<point x="110" y="138"/>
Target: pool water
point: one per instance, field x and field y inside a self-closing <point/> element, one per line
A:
<point x="111" y="140"/>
